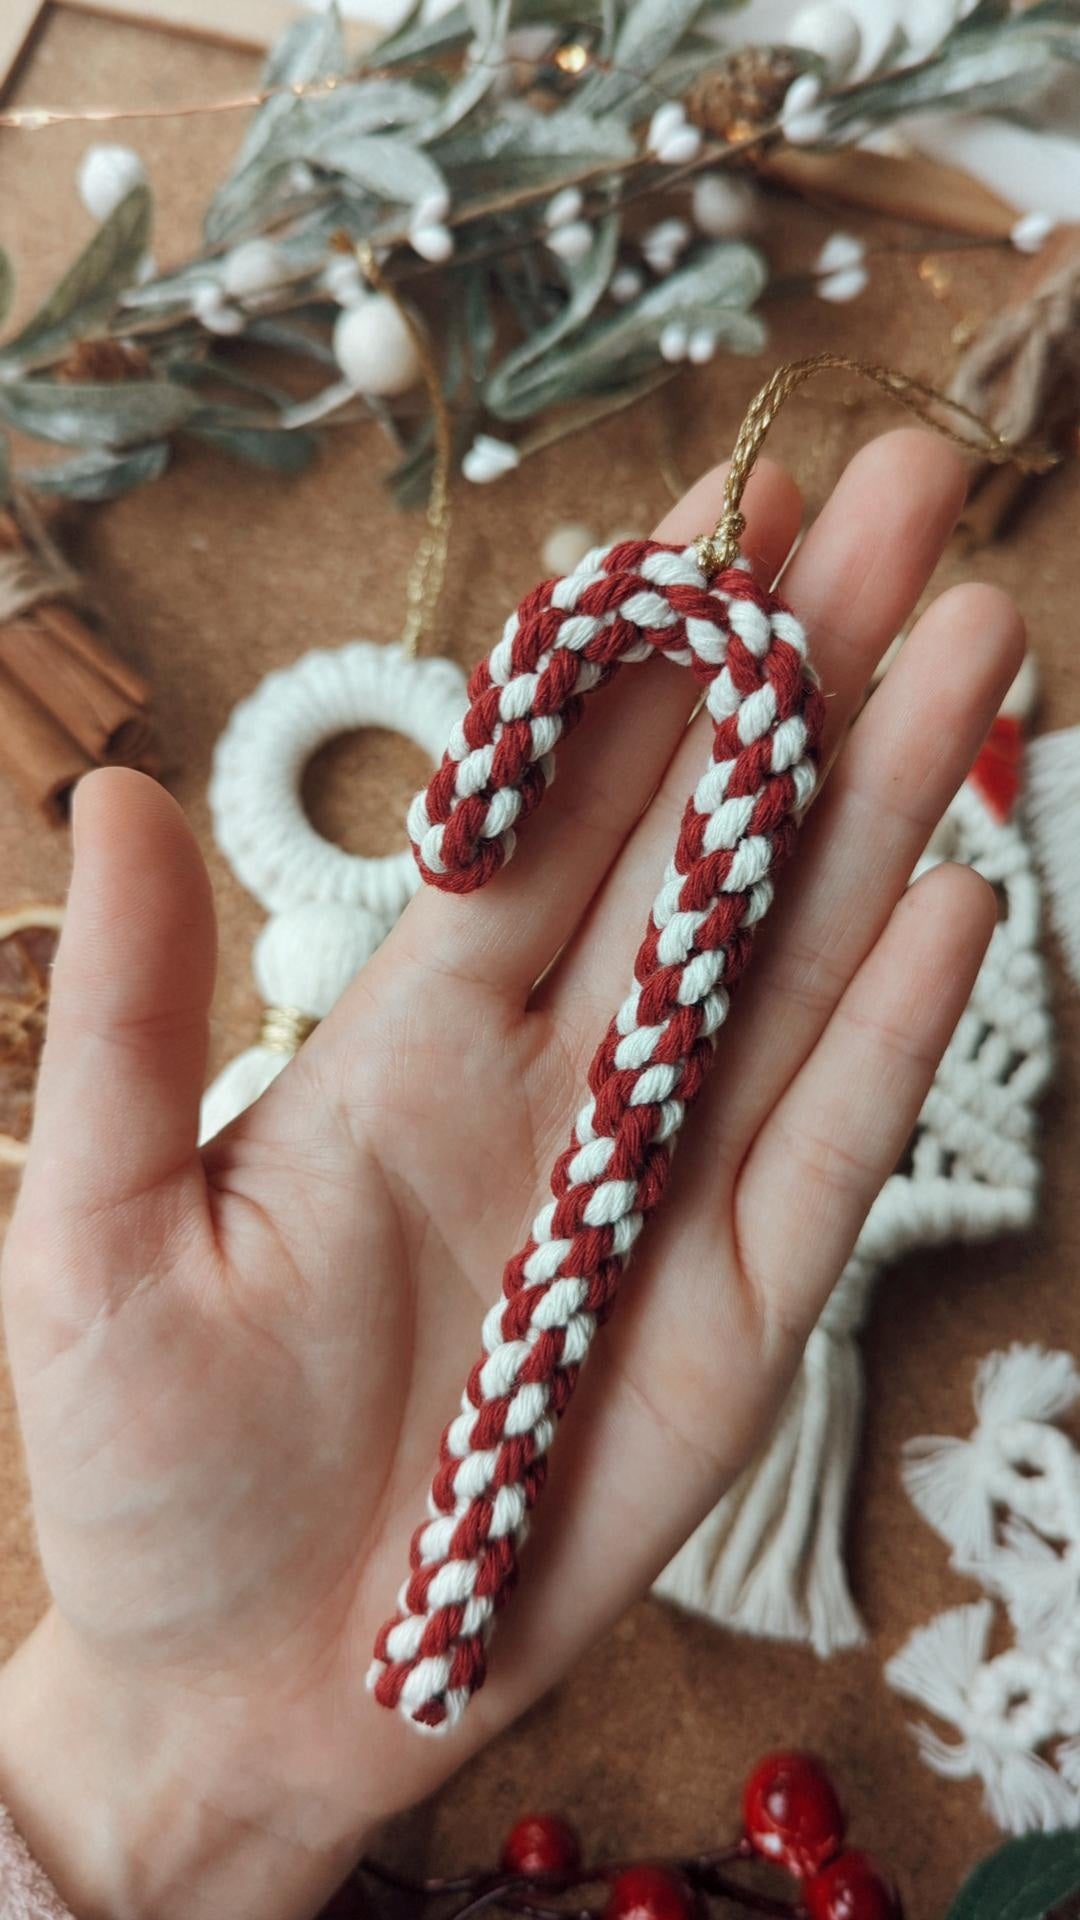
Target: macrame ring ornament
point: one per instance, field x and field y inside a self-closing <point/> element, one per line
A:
<point x="329" y="909"/>
<point x="259" y="820"/>
<point x="701" y="607"/>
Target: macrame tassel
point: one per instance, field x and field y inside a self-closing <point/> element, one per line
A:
<point x="567" y="638"/>
<point x="302" y="961"/>
<point x="1053" y="811"/>
<point x="1003" y="1708"/>
<point x="769" y="1559"/>
<point x="958" y="1485"/>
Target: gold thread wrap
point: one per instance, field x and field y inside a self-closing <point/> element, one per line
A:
<point x="284" y="1029"/>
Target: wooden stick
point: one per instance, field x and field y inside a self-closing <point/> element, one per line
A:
<point x="904" y="188"/>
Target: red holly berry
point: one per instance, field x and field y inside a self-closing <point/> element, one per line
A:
<point x="540" y="1845"/>
<point x="648" y="1893"/>
<point x="791" y="1813"/>
<point x="852" y="1887"/>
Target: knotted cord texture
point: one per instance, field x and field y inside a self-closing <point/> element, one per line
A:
<point x="566" y="639"/>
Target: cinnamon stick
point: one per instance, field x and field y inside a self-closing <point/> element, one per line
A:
<point x="67" y="704"/>
<point x="36" y="751"/>
<point x="907" y="187"/>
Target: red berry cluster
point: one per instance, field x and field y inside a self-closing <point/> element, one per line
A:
<point x="792" y="1818"/>
<point x="791" y="1814"/>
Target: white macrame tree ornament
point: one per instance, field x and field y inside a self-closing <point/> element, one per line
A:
<point x="1007" y="1501"/>
<point x="329" y="909"/>
<point x="769" y="1559"/>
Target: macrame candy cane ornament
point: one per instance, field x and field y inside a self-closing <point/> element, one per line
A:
<point x="699" y="607"/>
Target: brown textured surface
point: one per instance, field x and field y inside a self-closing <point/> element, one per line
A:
<point x="216" y="574"/>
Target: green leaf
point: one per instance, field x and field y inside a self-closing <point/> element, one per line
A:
<point x="524" y="149"/>
<point x="7" y="285"/>
<point x="454" y="29"/>
<point x="5" y="470"/>
<point x="999" y="64"/>
<point x="310" y="49"/>
<point x="281" y="449"/>
<point x="119" y="414"/>
<point x="713" y="290"/>
<point x="1024" y="1880"/>
<point x="650" y="29"/>
<point x="100" y="476"/>
<point x="587" y="280"/>
<point x="391" y="170"/>
<point x="88" y="291"/>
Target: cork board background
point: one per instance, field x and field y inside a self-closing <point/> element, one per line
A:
<point x="216" y="574"/>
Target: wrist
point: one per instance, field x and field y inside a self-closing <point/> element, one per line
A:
<point x="139" y="1799"/>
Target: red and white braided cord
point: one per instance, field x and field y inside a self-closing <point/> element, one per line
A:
<point x="566" y="638"/>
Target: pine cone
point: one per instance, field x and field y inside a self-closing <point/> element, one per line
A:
<point x="745" y="92"/>
<point x="104" y="360"/>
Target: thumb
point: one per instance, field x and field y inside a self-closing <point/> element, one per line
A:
<point x="125" y="1055"/>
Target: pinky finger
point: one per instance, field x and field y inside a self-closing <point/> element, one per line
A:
<point x="841" y="1126"/>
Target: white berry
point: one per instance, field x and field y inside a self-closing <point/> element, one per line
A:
<point x="489" y="459"/>
<point x="375" y="349"/>
<point x="106" y="176"/>
<point x="721" y="206"/>
<point x="830" y="31"/>
<point x="572" y="242"/>
<point x="1031" y="232"/>
<point x="434" y="242"/>
<point x="253" y="268"/>
<point x="563" y="207"/>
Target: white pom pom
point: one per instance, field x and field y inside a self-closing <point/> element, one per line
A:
<point x="488" y="459"/>
<point x="306" y="957"/>
<point x="254" y="268"/>
<point x="375" y="349"/>
<point x="237" y="1085"/>
<point x="832" y="32"/>
<point x="106" y="176"/>
<point x="721" y="206"/>
<point x="565" y="546"/>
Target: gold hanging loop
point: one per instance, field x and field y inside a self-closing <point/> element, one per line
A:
<point x="721" y="548"/>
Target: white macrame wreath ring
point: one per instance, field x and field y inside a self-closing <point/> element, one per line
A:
<point x="259" y="820"/>
<point x="329" y="909"/>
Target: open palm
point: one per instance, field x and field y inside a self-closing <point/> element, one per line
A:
<point x="232" y="1367"/>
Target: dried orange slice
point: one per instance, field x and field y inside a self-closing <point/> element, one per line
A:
<point x="28" y="940"/>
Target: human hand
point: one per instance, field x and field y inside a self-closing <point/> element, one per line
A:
<point x="232" y="1366"/>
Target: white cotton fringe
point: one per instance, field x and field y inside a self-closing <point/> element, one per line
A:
<point x="1053" y="814"/>
<point x="769" y="1558"/>
<point x="1007" y="1501"/>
